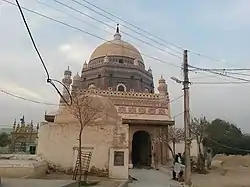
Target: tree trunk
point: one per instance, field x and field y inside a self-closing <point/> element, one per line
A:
<point x="80" y="157"/>
<point x="174" y="148"/>
<point x="171" y="150"/>
<point x="201" y="159"/>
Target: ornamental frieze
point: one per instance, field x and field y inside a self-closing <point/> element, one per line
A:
<point x="132" y="110"/>
<point x="161" y="111"/>
<point x="152" y="111"/>
<point x="141" y="110"/>
<point x="121" y="109"/>
<point x="139" y="103"/>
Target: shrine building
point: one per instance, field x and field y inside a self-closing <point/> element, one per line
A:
<point x="116" y="74"/>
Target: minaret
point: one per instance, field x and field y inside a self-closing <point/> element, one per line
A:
<point x="163" y="92"/>
<point x="85" y="65"/>
<point x="163" y="88"/>
<point x="18" y="127"/>
<point x="14" y="126"/>
<point x="106" y="59"/>
<point x="150" y="70"/>
<point x="117" y="35"/>
<point x="67" y="80"/>
<point x="37" y="127"/>
<point x="76" y="81"/>
<point x="22" y="122"/>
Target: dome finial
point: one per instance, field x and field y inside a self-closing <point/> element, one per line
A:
<point x="117" y="28"/>
<point x="117" y="35"/>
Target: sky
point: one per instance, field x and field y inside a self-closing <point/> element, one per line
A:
<point x="218" y="29"/>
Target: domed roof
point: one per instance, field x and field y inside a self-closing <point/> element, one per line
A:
<point x="77" y="77"/>
<point x="116" y="47"/>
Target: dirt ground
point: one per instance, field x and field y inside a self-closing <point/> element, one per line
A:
<point x="103" y="181"/>
<point x="227" y="171"/>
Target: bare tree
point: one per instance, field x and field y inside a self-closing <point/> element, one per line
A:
<point x="86" y="110"/>
<point x="197" y="130"/>
<point x="172" y="135"/>
<point x="175" y="135"/>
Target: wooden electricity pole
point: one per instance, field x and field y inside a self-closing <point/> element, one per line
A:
<point x="186" y="119"/>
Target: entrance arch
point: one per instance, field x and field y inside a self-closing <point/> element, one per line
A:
<point x="141" y="149"/>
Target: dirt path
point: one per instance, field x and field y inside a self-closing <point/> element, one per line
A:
<point x="227" y="171"/>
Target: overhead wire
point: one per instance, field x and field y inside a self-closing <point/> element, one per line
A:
<point x="218" y="73"/>
<point x="220" y="83"/>
<point x="148" y="33"/>
<point x="111" y="19"/>
<point x="91" y="34"/>
<point x="26" y="99"/>
<point x="102" y="22"/>
<point x="177" y="115"/>
<point x="72" y="16"/>
<point x="52" y="104"/>
<point x="49" y="80"/>
<point x="228" y="147"/>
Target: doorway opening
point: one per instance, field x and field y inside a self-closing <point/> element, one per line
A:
<point x="141" y="149"/>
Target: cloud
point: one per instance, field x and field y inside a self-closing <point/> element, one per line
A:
<point x="20" y="91"/>
<point x="75" y="51"/>
<point x="227" y="15"/>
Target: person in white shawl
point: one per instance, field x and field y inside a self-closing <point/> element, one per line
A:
<point x="178" y="166"/>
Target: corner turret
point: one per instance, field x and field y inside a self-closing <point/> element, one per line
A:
<point x="67" y="81"/>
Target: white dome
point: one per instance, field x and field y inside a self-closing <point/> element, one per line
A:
<point x="116" y="47"/>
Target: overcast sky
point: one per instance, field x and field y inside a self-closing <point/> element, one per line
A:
<point x="219" y="29"/>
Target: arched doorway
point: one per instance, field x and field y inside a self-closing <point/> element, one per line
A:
<point x="141" y="149"/>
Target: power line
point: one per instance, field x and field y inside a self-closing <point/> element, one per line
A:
<point x="217" y="73"/>
<point x="219" y="82"/>
<point x="26" y="99"/>
<point x="46" y="103"/>
<point x="102" y="22"/>
<point x="49" y="80"/>
<point x="176" y="98"/>
<point x="177" y="115"/>
<point x="144" y="31"/>
<point x="243" y="74"/>
<point x="161" y="39"/>
<point x="203" y="77"/>
<point x="72" y="16"/>
<point x="91" y="34"/>
<point x="222" y="145"/>
<point x="221" y="69"/>
<point x="122" y="21"/>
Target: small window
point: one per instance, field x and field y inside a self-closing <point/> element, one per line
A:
<point x="132" y="77"/>
<point x="111" y="75"/>
<point x="121" y="61"/>
<point x="121" y="88"/>
<point x="99" y="75"/>
<point x="84" y="79"/>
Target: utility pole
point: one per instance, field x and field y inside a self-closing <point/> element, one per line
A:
<point x="186" y="119"/>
